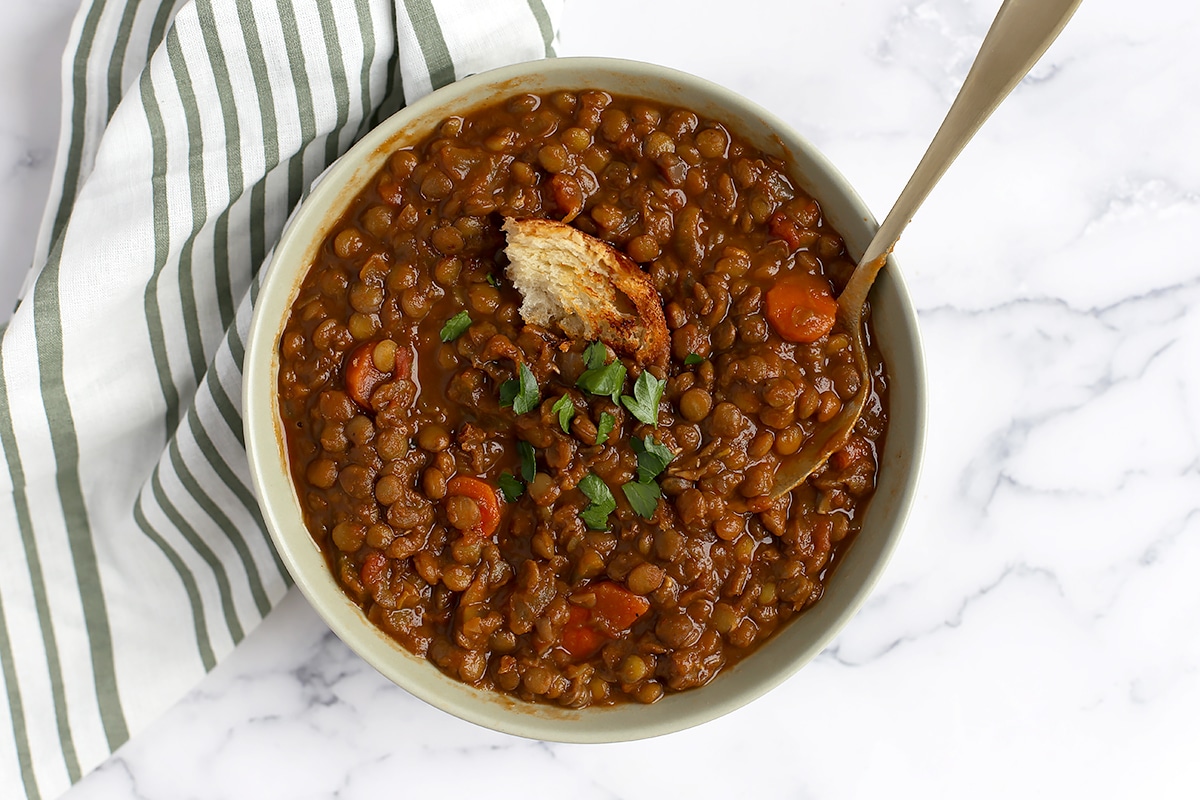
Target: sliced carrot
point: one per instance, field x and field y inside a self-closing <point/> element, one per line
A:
<point x="801" y="308"/>
<point x="856" y="448"/>
<point x="374" y="565"/>
<point x="362" y="376"/>
<point x="784" y="227"/>
<point x="579" y="638"/>
<point x="485" y="498"/>
<point x="614" y="612"/>
<point x="616" y="607"/>
<point x="404" y="362"/>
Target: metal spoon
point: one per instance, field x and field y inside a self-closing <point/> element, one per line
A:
<point x="1021" y="32"/>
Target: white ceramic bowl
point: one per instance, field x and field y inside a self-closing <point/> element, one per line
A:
<point x="777" y="659"/>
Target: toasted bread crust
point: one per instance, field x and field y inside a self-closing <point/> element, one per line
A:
<point x="579" y="283"/>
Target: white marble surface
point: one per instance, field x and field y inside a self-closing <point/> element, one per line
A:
<point x="1038" y="632"/>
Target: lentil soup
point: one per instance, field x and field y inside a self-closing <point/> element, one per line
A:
<point x="544" y="516"/>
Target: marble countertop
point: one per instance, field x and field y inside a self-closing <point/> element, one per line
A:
<point x="1038" y="631"/>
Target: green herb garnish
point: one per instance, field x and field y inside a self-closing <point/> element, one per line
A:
<point x="595" y="516"/>
<point x="565" y="410"/>
<point x="693" y="359"/>
<point x="528" y="462"/>
<point x="492" y="281"/>
<point x="647" y="392"/>
<point x="643" y="497"/>
<point x="595" y="355"/>
<point x="605" y="381"/>
<point x="510" y="487"/>
<point x="455" y="326"/>
<point x="521" y="392"/>
<point x="607" y="422"/>
<point x="508" y="392"/>
<point x="600" y="378"/>
<point x="652" y="458"/>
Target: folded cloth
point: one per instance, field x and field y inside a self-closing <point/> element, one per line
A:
<point x="134" y="555"/>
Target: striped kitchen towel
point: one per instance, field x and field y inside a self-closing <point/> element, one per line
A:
<point x="132" y="553"/>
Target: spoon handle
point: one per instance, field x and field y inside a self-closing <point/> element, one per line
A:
<point x="1021" y="32"/>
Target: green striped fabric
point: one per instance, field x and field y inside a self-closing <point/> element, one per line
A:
<point x="134" y="554"/>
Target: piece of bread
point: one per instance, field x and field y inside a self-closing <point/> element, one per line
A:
<point x="587" y="287"/>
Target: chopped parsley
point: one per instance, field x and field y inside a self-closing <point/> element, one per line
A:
<point x="521" y="392"/>
<point x="647" y="392"/>
<point x="528" y="462"/>
<point x="693" y="359"/>
<point x="565" y="410"/>
<point x="643" y="497"/>
<point x="652" y="458"/>
<point x="511" y="487"/>
<point x="607" y="422"/>
<point x="605" y="381"/>
<point x="595" y="355"/>
<point x="595" y="516"/>
<point x="455" y="326"/>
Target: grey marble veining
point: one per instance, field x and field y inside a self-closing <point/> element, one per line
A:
<point x="1038" y="631"/>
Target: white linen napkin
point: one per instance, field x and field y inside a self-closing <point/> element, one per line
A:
<point x="132" y="553"/>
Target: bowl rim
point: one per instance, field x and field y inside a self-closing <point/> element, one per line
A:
<point x="280" y="277"/>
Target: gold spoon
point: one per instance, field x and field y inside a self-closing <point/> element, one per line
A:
<point x="1021" y="32"/>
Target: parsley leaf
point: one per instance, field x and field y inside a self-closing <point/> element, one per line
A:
<point x="603" y="381"/>
<point x="693" y="359"/>
<point x="455" y="326"/>
<point x="652" y="458"/>
<point x="510" y="487"/>
<point x="643" y="497"/>
<point x="600" y="378"/>
<point x="647" y="392"/>
<point x="594" y="355"/>
<point x="607" y="422"/>
<point x="508" y="392"/>
<point x="595" y="516"/>
<point x="565" y="410"/>
<point x="528" y="462"/>
<point x="493" y="281"/>
<point x="521" y="392"/>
